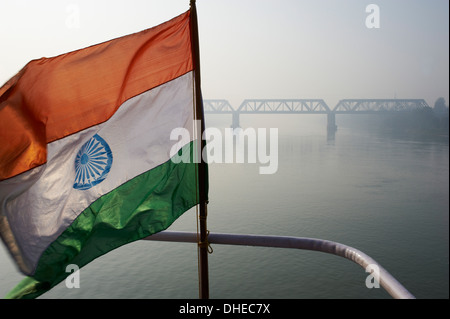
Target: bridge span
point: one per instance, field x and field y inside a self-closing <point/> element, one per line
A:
<point x="312" y="106"/>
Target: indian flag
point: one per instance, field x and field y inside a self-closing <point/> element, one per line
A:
<point x="85" y="156"/>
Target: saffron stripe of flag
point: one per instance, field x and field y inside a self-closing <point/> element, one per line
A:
<point x="88" y="167"/>
<point x="53" y="98"/>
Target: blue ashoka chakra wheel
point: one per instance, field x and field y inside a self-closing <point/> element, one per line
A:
<point x="92" y="163"/>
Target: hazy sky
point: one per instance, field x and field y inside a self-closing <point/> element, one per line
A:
<point x="259" y="48"/>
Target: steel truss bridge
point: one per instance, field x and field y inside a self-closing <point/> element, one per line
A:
<point x="312" y="106"/>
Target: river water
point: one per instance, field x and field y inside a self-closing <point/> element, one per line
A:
<point x="386" y="196"/>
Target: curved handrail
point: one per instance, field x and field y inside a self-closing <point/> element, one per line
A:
<point x="386" y="280"/>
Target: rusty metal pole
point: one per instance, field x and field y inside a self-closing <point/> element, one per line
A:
<point x="202" y="169"/>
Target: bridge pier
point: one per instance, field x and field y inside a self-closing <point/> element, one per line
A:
<point x="331" y="125"/>
<point x="235" y="119"/>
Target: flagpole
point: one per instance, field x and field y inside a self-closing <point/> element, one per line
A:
<point x="203" y="240"/>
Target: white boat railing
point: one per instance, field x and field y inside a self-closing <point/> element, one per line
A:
<point x="386" y="280"/>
